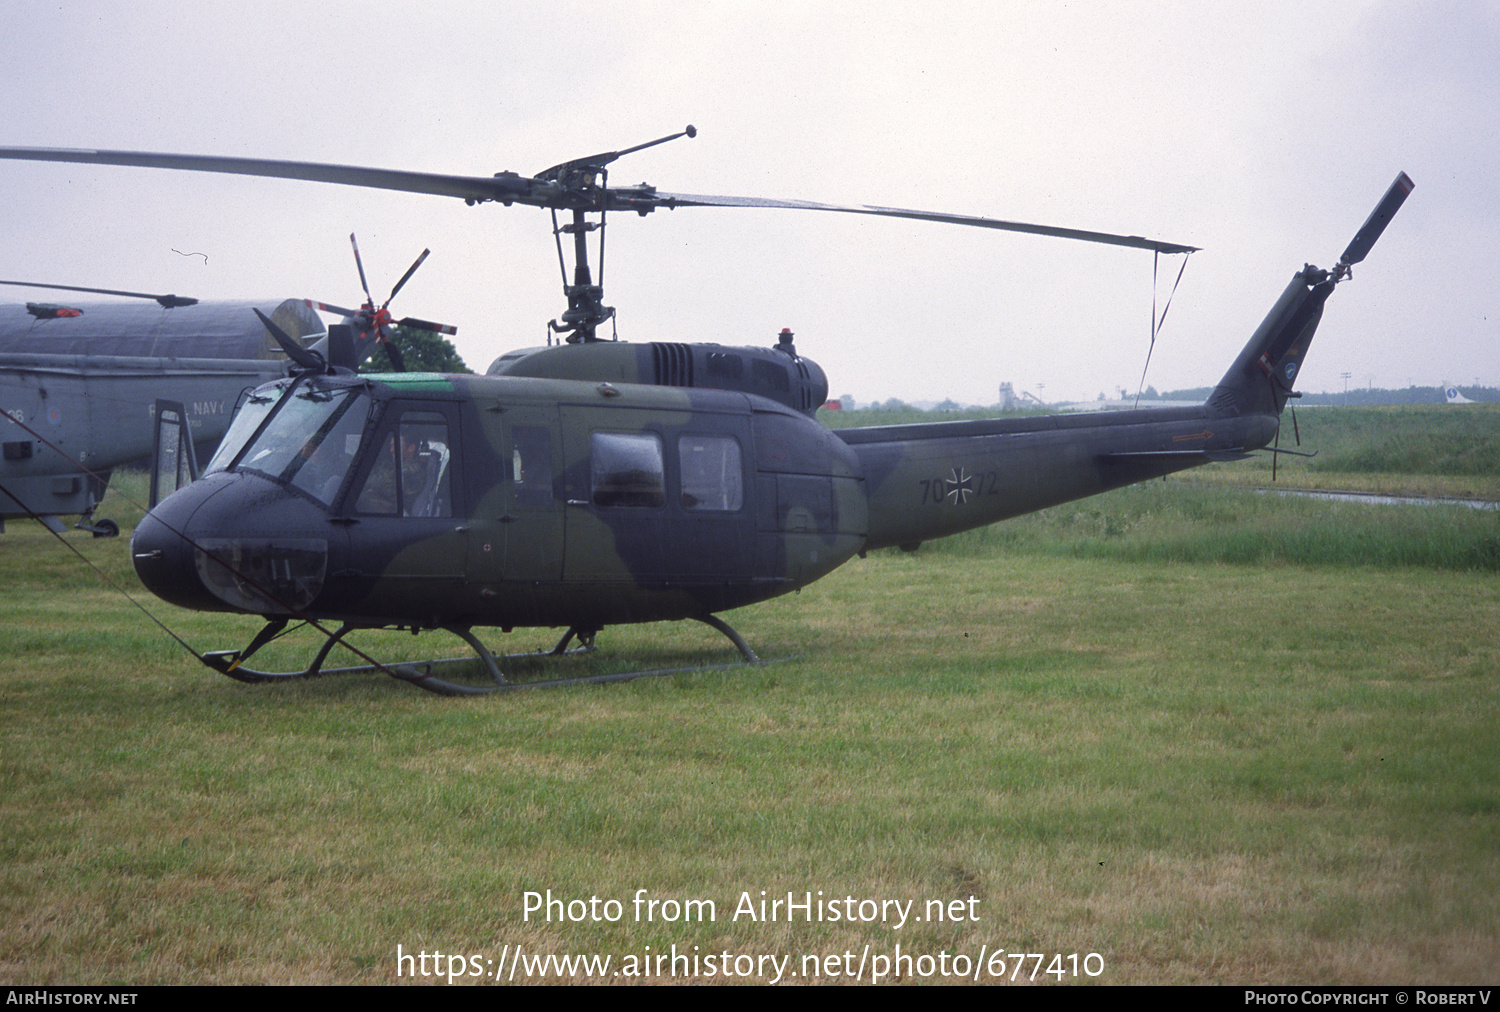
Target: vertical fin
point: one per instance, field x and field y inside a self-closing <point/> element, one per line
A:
<point x="1261" y="378"/>
<point x="1260" y="381"/>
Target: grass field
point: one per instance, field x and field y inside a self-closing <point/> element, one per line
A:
<point x="1273" y="762"/>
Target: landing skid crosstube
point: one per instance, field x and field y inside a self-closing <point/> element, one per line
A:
<point x="424" y="674"/>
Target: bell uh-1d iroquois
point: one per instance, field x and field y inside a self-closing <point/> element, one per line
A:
<point x="598" y="483"/>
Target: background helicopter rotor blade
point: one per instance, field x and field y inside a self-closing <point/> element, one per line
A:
<point x="359" y="263"/>
<point x="673" y="200"/>
<point x="166" y="301"/>
<point x="416" y="324"/>
<point x="407" y="276"/>
<point x="1359" y="247"/>
<point x="302" y="356"/>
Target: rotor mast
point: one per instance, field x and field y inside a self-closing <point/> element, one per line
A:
<point x="588" y="179"/>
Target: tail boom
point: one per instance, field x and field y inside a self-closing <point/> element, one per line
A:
<point x="929" y="481"/>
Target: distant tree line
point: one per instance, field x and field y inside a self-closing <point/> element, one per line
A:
<point x="1356" y="397"/>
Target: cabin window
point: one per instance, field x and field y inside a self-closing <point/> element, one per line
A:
<point x="711" y="474"/>
<point x="531" y="465"/>
<point x="627" y="470"/>
<point x="410" y="475"/>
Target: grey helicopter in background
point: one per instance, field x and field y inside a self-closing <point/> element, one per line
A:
<point x="85" y="387"/>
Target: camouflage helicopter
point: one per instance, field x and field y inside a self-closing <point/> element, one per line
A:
<point x="594" y="483"/>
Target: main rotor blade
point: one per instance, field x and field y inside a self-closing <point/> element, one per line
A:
<point x="695" y="200"/>
<point x="304" y="357"/>
<point x="504" y="187"/>
<point x="513" y="188"/>
<point x="1364" y="239"/>
<point x="166" y="301"/>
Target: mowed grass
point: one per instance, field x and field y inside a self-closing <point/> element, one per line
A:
<point x="1434" y="450"/>
<point x="1272" y="768"/>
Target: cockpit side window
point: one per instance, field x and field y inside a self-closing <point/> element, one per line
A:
<point x="410" y="476"/>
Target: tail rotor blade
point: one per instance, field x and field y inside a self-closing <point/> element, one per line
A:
<point x="370" y="322"/>
<point x="393" y="352"/>
<point x="1364" y="239"/>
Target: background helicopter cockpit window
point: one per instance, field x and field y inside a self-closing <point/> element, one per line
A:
<point x="627" y="470"/>
<point x="711" y="475"/>
<point x="410" y="475"/>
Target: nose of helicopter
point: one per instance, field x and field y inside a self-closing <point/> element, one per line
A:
<point x="221" y="544"/>
<point x="162" y="545"/>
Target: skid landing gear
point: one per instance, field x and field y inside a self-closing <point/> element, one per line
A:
<point x="424" y="674"/>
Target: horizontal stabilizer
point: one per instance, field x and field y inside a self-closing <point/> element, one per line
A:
<point x="1236" y="453"/>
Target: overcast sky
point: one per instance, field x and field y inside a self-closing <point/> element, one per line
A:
<point x="1263" y="132"/>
